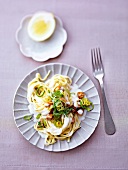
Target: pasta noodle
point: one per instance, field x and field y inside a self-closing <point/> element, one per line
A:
<point x="54" y="107"/>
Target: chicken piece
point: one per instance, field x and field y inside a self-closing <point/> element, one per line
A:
<point x="80" y="95"/>
<point x="49" y="116"/>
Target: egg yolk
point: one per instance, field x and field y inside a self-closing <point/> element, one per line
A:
<point x="40" y="27"/>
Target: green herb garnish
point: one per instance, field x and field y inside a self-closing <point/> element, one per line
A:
<point x="44" y="123"/>
<point x="67" y="110"/>
<point x="57" y="114"/>
<point x="28" y="117"/>
<point x="59" y="107"/>
<point x="88" y="108"/>
<point x="38" y="116"/>
<point x="57" y="94"/>
<point x="39" y="123"/>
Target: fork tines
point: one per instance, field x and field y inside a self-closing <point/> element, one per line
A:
<point x="96" y="59"/>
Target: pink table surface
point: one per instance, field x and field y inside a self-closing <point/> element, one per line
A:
<point x="96" y="23"/>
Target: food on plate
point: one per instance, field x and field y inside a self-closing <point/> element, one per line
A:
<point x="57" y="106"/>
<point x="41" y="26"/>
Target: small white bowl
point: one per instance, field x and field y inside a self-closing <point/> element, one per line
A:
<point x="41" y="51"/>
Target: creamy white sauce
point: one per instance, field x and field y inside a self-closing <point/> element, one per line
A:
<point x="32" y="111"/>
<point x="44" y="117"/>
<point x="70" y="133"/>
<point x="68" y="103"/>
<point x="61" y="91"/>
<point x="74" y="91"/>
<point x="35" y="120"/>
<point x="57" y="131"/>
<point x="54" y="130"/>
<point x="45" y="112"/>
<point x="66" y="122"/>
<point x="46" y="104"/>
<point x="76" y="104"/>
<point x="80" y="111"/>
<point x="29" y="92"/>
<point x="31" y="108"/>
<point x="38" y="99"/>
<point x="81" y="118"/>
<point x="42" y="135"/>
<point x="75" y="99"/>
<point x="70" y="119"/>
<point x="50" y="83"/>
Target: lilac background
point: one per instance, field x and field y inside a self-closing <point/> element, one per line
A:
<point x="102" y="23"/>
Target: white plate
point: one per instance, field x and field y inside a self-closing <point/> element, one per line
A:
<point x="88" y="126"/>
<point x="41" y="51"/>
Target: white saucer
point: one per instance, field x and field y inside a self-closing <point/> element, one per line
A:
<point x="41" y="51"/>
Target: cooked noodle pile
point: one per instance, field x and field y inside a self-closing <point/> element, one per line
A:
<point x="55" y="107"/>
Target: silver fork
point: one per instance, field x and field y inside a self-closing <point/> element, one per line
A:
<point x="98" y="72"/>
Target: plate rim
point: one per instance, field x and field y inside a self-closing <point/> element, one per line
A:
<point x="44" y="65"/>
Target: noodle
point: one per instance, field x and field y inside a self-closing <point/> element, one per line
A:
<point x="53" y="107"/>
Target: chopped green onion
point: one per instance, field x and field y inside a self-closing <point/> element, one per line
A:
<point x="85" y="102"/>
<point x="44" y="123"/>
<point x="38" y="116"/>
<point x="59" y="105"/>
<point x="58" y="123"/>
<point x="40" y="92"/>
<point x="39" y="125"/>
<point x="28" y="117"/>
<point x="87" y="105"/>
<point x="91" y="107"/>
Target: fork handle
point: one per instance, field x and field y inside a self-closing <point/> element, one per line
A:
<point x="109" y="124"/>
